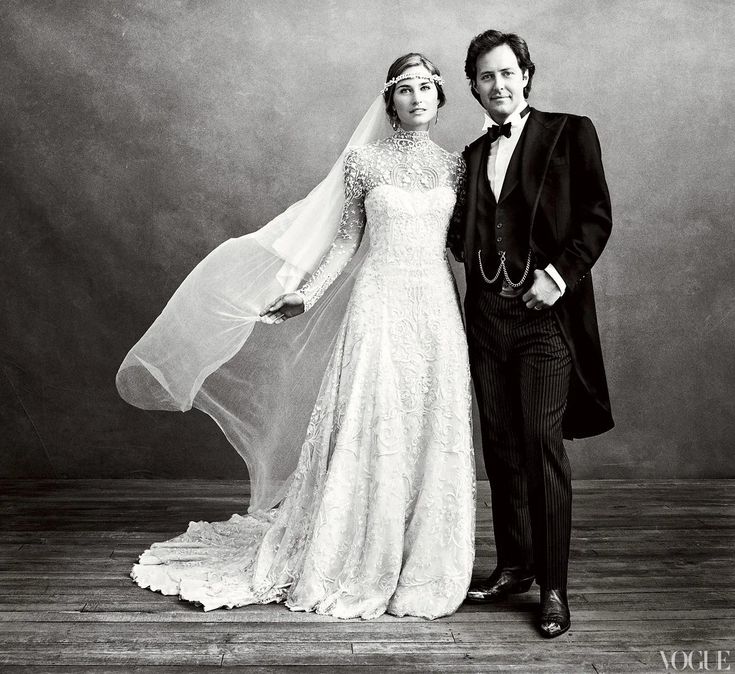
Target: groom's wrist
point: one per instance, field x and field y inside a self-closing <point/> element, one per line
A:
<point x="551" y="271"/>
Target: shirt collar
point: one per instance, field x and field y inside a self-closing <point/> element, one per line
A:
<point x="515" y="119"/>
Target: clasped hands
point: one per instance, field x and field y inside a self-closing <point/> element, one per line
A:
<point x="544" y="292"/>
<point x="283" y="307"/>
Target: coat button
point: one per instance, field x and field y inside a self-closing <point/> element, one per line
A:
<point x="499" y="239"/>
<point x="499" y="225"/>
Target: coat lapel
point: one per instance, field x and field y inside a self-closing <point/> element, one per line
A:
<point x="541" y="135"/>
<point x="512" y="174"/>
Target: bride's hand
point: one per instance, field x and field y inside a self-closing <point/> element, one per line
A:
<point x="283" y="307"/>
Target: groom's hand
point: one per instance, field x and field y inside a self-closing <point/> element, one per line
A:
<point x="544" y="292"/>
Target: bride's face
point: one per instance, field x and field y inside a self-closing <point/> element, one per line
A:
<point x="416" y="100"/>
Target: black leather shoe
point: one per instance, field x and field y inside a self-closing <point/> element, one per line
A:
<point x="501" y="583"/>
<point x="555" y="618"/>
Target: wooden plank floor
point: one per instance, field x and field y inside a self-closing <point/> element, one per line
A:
<point x="652" y="569"/>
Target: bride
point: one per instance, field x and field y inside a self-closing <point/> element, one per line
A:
<point x="378" y="515"/>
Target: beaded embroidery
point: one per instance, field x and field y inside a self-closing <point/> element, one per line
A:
<point x="409" y="160"/>
<point x="411" y="76"/>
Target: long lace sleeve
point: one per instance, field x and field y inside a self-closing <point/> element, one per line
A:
<point x="455" y="235"/>
<point x="349" y="235"/>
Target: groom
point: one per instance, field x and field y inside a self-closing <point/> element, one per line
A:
<point x="535" y="218"/>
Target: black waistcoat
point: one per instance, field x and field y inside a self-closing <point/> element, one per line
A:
<point x="504" y="225"/>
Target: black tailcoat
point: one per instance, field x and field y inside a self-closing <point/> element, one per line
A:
<point x="560" y="176"/>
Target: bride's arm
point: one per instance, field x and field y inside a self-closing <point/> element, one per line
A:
<point x="455" y="235"/>
<point x="344" y="246"/>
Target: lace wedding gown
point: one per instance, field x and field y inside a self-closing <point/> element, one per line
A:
<point x="379" y="514"/>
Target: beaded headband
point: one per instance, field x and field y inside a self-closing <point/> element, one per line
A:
<point x="411" y="76"/>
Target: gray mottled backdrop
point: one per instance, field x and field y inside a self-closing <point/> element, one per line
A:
<point x="136" y="136"/>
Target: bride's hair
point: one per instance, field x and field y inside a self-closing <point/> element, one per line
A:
<point x="403" y="63"/>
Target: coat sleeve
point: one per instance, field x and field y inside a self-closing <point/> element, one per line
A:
<point x="591" y="213"/>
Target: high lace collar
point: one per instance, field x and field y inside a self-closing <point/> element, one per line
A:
<point x="407" y="138"/>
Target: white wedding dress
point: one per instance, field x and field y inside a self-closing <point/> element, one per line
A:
<point x="379" y="514"/>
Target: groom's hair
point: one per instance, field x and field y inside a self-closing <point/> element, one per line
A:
<point x="484" y="42"/>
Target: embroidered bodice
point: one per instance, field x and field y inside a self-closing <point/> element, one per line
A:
<point x="404" y="187"/>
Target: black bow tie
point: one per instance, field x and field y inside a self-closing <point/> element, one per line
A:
<point x="496" y="131"/>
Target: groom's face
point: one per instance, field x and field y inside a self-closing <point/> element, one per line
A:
<point x="500" y="82"/>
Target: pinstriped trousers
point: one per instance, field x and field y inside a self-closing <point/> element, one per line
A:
<point x="521" y="368"/>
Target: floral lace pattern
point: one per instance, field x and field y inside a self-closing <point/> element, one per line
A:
<point x="379" y="514"/>
<point x="408" y="160"/>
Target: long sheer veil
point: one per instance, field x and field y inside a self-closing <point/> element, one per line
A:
<point x="208" y="349"/>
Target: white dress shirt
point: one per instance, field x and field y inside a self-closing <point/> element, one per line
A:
<point x="501" y="151"/>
